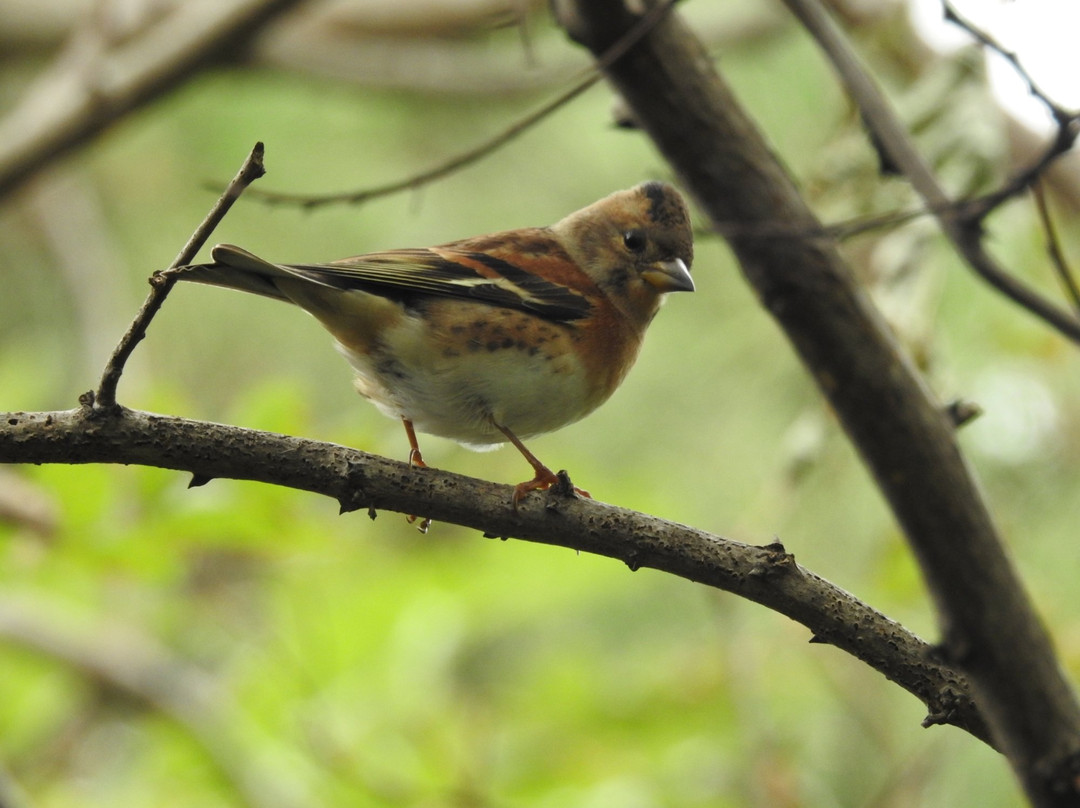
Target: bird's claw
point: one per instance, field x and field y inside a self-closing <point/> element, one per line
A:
<point x="546" y="479"/>
<point x="424" y="522"/>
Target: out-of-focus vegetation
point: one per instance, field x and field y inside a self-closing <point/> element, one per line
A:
<point x="360" y="663"/>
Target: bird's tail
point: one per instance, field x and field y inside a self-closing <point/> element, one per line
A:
<point x="234" y="268"/>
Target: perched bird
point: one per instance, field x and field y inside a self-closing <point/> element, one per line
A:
<point x="495" y="338"/>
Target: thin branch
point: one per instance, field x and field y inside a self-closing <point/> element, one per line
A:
<point x="359" y="481"/>
<point x="1053" y="248"/>
<point x="1061" y="115"/>
<point x="976" y="211"/>
<point x="843" y="229"/>
<point x="474" y="154"/>
<point x="455" y="163"/>
<point x="162" y="282"/>
<point x="961" y="227"/>
<point x="1065" y="137"/>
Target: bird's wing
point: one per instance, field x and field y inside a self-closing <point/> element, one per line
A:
<point x="453" y="272"/>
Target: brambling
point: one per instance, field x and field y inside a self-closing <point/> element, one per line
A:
<point x="496" y="338"/>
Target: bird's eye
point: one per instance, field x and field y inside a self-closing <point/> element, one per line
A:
<point x="635" y="240"/>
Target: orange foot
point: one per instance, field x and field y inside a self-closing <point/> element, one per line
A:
<point x="545" y="478"/>
<point x="415" y="459"/>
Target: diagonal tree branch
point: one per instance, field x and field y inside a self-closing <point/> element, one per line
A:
<point x="961" y="222"/>
<point x="100" y="77"/>
<point x="439" y="171"/>
<point x="1054" y="250"/>
<point x="767" y="575"/>
<point x="989" y="625"/>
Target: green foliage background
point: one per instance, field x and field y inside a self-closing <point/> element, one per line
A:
<point x="359" y="663"/>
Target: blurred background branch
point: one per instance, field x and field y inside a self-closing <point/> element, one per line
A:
<point x="124" y="662"/>
<point x="118" y="58"/>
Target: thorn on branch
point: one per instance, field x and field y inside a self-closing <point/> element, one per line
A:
<point x="936" y="717"/>
<point x="776" y="561"/>
<point x="564" y="487"/>
<point x="623" y="116"/>
<point x="354" y="497"/>
<point x="962" y="412"/>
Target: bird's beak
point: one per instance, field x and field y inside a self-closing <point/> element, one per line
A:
<point x="669" y="276"/>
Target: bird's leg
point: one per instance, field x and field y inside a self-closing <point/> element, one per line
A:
<point x="415" y="459"/>
<point x="545" y="477"/>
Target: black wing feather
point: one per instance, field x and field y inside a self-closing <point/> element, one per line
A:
<point x="427" y="272"/>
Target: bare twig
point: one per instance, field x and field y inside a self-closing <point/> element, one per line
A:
<point x="472" y="155"/>
<point x="1053" y="248"/>
<point x="962" y="227"/>
<point x="843" y="229"/>
<point x="162" y="282"/>
<point x="437" y="172"/>
<point x="1066" y="120"/>
<point x="1061" y="115"/>
<point x="975" y="211"/>
<point x="359" y="481"/>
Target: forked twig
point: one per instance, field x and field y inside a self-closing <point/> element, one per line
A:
<point x="162" y="282"/>
<point x="1068" y="123"/>
<point x="961" y="222"/>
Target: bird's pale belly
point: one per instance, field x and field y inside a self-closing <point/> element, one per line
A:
<point x="511" y="368"/>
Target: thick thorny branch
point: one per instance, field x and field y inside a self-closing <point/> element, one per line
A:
<point x="358" y="481"/>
